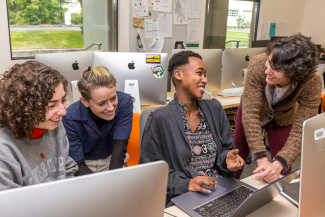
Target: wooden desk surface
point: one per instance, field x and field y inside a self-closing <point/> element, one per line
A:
<point x="226" y="102"/>
<point x="279" y="206"/>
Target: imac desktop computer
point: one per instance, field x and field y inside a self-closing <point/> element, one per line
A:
<point x="234" y="64"/>
<point x="148" y="69"/>
<point x="69" y="64"/>
<point x="212" y="59"/>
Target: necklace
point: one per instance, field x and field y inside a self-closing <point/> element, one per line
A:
<point x="42" y="154"/>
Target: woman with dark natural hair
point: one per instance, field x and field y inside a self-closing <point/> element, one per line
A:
<point x="33" y="143"/>
<point x="192" y="135"/>
<point x="99" y="124"/>
<point x="282" y="89"/>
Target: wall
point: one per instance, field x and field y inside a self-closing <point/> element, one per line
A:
<point x="288" y="12"/>
<point x="313" y="23"/>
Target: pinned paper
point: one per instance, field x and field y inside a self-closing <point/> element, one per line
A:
<point x="138" y="22"/>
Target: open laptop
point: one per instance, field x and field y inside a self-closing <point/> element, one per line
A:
<point x="135" y="191"/>
<point x="69" y="64"/>
<point x="231" y="197"/>
<point x="312" y="190"/>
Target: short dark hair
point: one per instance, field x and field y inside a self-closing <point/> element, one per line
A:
<point x="179" y="59"/>
<point x="295" y="55"/>
<point x="25" y="91"/>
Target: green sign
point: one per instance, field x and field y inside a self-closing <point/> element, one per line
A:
<point x="192" y="45"/>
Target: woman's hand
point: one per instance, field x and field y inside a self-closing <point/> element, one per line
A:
<point x="267" y="171"/>
<point x="234" y="161"/>
<point x="197" y="182"/>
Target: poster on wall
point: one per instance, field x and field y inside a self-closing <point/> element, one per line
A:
<point x="140" y="8"/>
<point x="193" y="9"/>
<point x="165" y="25"/>
<point x="180" y="12"/>
<point x="163" y="5"/>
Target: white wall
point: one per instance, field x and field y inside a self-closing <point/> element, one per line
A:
<point x="289" y="13"/>
<point x="313" y="23"/>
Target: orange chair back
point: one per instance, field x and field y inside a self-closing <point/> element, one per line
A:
<point x="323" y="103"/>
<point x="134" y="141"/>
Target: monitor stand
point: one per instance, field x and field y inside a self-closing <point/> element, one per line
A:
<point x="132" y="87"/>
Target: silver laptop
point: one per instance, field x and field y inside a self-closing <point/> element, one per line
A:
<point x="135" y="191"/>
<point x="69" y="64"/>
<point x="231" y="197"/>
<point x="312" y="190"/>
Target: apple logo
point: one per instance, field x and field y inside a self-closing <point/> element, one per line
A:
<point x="131" y="65"/>
<point x="75" y="65"/>
<point x="247" y="57"/>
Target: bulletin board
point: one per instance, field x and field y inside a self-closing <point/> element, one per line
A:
<point x="179" y="31"/>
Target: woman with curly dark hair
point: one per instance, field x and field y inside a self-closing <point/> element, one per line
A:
<point x="282" y="89"/>
<point x="33" y="143"/>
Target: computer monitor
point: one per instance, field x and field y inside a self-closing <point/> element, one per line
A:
<point x="212" y="59"/>
<point x="149" y="69"/>
<point x="135" y="191"/>
<point x="69" y="64"/>
<point x="234" y="61"/>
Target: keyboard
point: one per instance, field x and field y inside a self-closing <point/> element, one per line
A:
<point x="226" y="204"/>
<point x="236" y="91"/>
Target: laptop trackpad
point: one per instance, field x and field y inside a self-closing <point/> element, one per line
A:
<point x="194" y="198"/>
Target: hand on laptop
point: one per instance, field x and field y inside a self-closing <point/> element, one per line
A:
<point x="267" y="171"/>
<point x="234" y="161"/>
<point x="197" y="182"/>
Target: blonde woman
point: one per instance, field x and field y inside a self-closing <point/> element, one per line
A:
<point x="99" y="124"/>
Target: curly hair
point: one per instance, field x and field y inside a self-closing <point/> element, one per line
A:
<point x="93" y="77"/>
<point x="179" y="59"/>
<point x="295" y="55"/>
<point x="25" y="90"/>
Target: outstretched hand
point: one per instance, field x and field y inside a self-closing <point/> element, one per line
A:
<point x="268" y="171"/>
<point x="234" y="161"/>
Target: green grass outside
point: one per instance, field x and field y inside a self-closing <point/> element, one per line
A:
<point x="46" y="39"/>
<point x="237" y="36"/>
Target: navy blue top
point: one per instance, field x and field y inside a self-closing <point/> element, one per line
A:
<point x="87" y="141"/>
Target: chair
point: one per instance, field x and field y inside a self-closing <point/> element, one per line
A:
<point x="134" y="141"/>
<point x="143" y="119"/>
<point x="322" y="105"/>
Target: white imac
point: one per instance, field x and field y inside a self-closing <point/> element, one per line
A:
<point x="149" y="69"/>
<point x="212" y="59"/>
<point x="135" y="191"/>
<point x="234" y="61"/>
<point x="69" y="64"/>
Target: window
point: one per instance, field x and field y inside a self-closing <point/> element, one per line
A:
<point x="43" y="26"/>
<point x="230" y="23"/>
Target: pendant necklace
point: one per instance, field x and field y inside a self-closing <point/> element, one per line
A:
<point x="42" y="154"/>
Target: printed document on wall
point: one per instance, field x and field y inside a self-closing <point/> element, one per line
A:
<point x="140" y="8"/>
<point x="151" y="28"/>
<point x="180" y="12"/>
<point x="165" y="25"/>
<point x="163" y="5"/>
<point x="193" y="30"/>
<point x="193" y="9"/>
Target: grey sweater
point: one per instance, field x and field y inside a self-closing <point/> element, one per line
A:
<point x="164" y="139"/>
<point x="22" y="165"/>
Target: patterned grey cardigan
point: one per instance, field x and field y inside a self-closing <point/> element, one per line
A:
<point x="300" y="102"/>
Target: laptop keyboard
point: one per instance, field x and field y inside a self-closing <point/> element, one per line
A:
<point x="226" y="204"/>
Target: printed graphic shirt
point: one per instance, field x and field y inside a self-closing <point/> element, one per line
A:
<point x="202" y="145"/>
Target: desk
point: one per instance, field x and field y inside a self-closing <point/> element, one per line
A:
<point x="226" y="102"/>
<point x="278" y="207"/>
